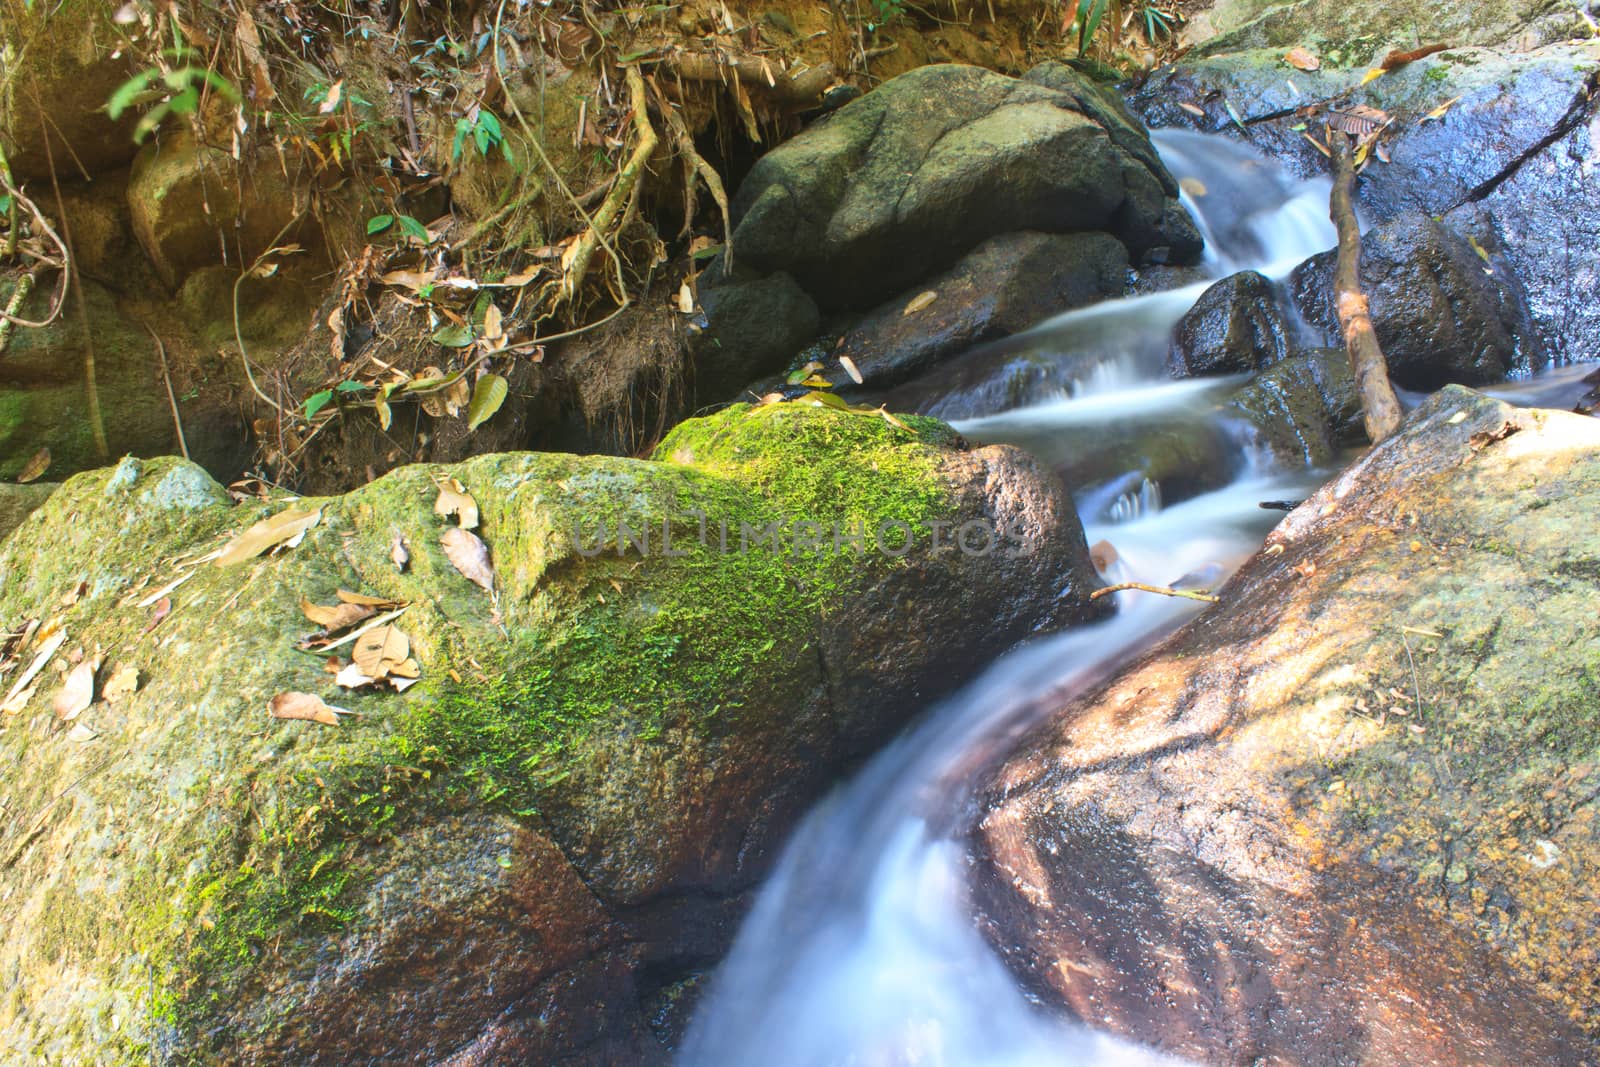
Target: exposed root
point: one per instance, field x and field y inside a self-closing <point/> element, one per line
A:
<point x="618" y="200"/>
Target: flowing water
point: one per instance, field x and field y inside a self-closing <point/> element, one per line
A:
<point x="861" y="949"/>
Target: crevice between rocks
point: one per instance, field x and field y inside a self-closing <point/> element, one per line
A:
<point x="1576" y="112"/>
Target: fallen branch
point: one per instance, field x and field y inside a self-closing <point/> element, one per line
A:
<point x="1380" y="409"/>
<point x="166" y="376"/>
<point x="787" y="87"/>
<point x="1186" y="594"/>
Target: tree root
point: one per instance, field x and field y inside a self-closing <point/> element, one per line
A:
<point x="787" y="87"/>
<point x="621" y="193"/>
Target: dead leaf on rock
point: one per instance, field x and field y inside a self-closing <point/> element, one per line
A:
<point x="400" y="553"/>
<point x="304" y="706"/>
<point x="920" y="301"/>
<point x="1438" y="113"/>
<point x="162" y="609"/>
<point x="350" y="676"/>
<point x="1193" y="186"/>
<point x="851" y="369"/>
<point x="18" y="699"/>
<point x="455" y="500"/>
<point x="36" y="466"/>
<point x="1194" y="109"/>
<point x="335" y="617"/>
<point x="81" y="733"/>
<point x="123" y="681"/>
<point x="470" y="556"/>
<point x="285" y="528"/>
<point x="378" y="603"/>
<point x="1302" y="59"/>
<point x="77" y="692"/>
<point x="51" y="643"/>
<point x="380" y="650"/>
<point x="71" y="596"/>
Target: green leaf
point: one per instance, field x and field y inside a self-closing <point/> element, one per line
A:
<point x="463" y="127"/>
<point x="489" y="124"/>
<point x="487" y="396"/>
<point x="413" y="228"/>
<point x="123" y="98"/>
<point x="453" y="336"/>
<point x="317" y="401"/>
<point x="5" y="204"/>
<point x="379" y="223"/>
<point x="1091" y="22"/>
<point x="351" y="387"/>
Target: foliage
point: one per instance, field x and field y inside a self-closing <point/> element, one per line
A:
<point x="176" y="91"/>
<point x="483" y="128"/>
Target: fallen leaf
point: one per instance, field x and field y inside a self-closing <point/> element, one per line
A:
<point x="487" y="396"/>
<point x="685" y="299"/>
<point x="304" y="706"/>
<point x="77" y="693"/>
<point x="469" y="555"/>
<point x="1483" y="253"/>
<point x="1438" y="113"/>
<point x="1397" y="59"/>
<point x="162" y="609"/>
<point x="18" y="699"/>
<point x="432" y="403"/>
<point x="406" y="668"/>
<point x="37" y="465"/>
<point x="1358" y="121"/>
<point x="399" y="553"/>
<point x="1302" y="59"/>
<point x="336" y="617"/>
<point x="335" y="92"/>
<point x="351" y="677"/>
<point x="1103" y="555"/>
<point x="410" y="279"/>
<point x="1193" y="186"/>
<point x="851" y="369"/>
<point x="123" y="681"/>
<point x="457" y="395"/>
<point x="1373" y="75"/>
<point x="455" y="500"/>
<point x="493" y="324"/>
<point x="1233" y="114"/>
<point x="1193" y="109"/>
<point x="920" y="301"/>
<point x="380" y="603"/>
<point x="1382" y="152"/>
<point x="284" y="528"/>
<point x="71" y="596"/>
<point x="377" y="651"/>
<point x="81" y="733"/>
<point x="51" y="644"/>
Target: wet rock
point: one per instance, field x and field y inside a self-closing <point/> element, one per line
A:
<point x="1236" y="327"/>
<point x="905" y="180"/>
<point x="1354" y="33"/>
<point x="63" y="62"/>
<point x="1440" y="315"/>
<point x="512" y="860"/>
<point x="753" y="328"/>
<point x="1004" y="286"/>
<point x="188" y="203"/>
<point x="1304" y="409"/>
<point x="1509" y="162"/>
<point x="1350" y="813"/>
<point x="17" y="502"/>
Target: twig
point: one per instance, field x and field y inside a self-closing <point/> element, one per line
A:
<point x="1186" y="594"/>
<point x="166" y="376"/>
<point x="238" y="334"/>
<point x="1380" y="409"/>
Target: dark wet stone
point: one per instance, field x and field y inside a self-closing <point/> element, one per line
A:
<point x="1237" y="326"/>
<point x="753" y="328"/>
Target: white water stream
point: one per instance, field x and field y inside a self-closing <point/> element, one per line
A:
<point x="861" y="949"/>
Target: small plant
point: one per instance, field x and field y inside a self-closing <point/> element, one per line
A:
<point x="408" y="225"/>
<point x="483" y="128"/>
<point x="886" y="12"/>
<point x="172" y="92"/>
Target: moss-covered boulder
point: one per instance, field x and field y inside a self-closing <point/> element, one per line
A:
<point x="1352" y="813"/>
<point x="513" y="860"/>
<point x="17" y="502"/>
<point x="902" y="182"/>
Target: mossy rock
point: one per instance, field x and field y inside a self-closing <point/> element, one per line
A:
<point x="608" y="746"/>
<point x="1369" y="778"/>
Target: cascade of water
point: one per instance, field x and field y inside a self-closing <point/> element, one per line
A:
<point x="861" y="948"/>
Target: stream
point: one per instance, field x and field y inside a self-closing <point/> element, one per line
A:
<point x="861" y="948"/>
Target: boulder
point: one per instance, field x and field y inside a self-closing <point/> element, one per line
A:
<point x="1004" y="286"/>
<point x="753" y="328"/>
<point x="1441" y="315"/>
<point x="193" y="205"/>
<point x="904" y="181"/>
<point x="1236" y="327"/>
<point x="1304" y="409"/>
<point x="1352" y="813"/>
<point x="511" y="860"/>
<point x="63" y="61"/>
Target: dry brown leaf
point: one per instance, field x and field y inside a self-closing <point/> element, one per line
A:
<point x="378" y="650"/>
<point x="1358" y="121"/>
<point x="18" y="699"/>
<point x="1438" y="113"/>
<point x="71" y="596"/>
<point x="1194" y="109"/>
<point x="455" y="500"/>
<point x="335" y="93"/>
<point x="469" y="555"/>
<point x="1302" y="59"/>
<point x="335" y="617"/>
<point x="1193" y="186"/>
<point x="123" y="681"/>
<point x="284" y="528"/>
<point x="350" y="677"/>
<point x="410" y="279"/>
<point x="162" y="609"/>
<point x="685" y="299"/>
<point x="457" y="395"/>
<point x="407" y="668"/>
<point x="304" y="706"/>
<point x="493" y="325"/>
<point x="1397" y="59"/>
<point x="851" y="369"/>
<point x="433" y="403"/>
<point x="81" y="733"/>
<point x="37" y="465"/>
<point x="400" y="553"/>
<point x="920" y="301"/>
<point x="51" y="643"/>
<point x="380" y="603"/>
<point x="77" y="692"/>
